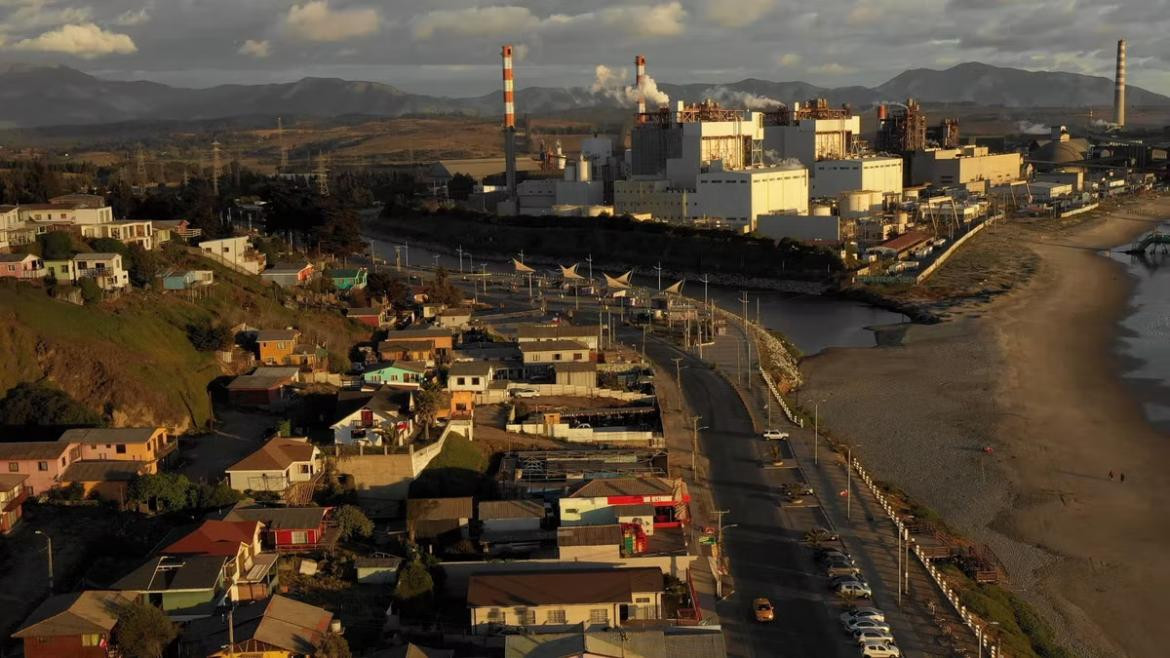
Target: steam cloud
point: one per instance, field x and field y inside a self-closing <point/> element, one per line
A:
<point x="612" y="85"/>
<point x="1030" y="128"/>
<point x="741" y="98"/>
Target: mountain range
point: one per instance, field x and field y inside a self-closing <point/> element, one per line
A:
<point x="32" y="95"/>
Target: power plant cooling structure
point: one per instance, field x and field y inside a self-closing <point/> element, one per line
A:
<point x="1119" y="86"/>
<point x="509" y="123"/>
<point x="639" y="79"/>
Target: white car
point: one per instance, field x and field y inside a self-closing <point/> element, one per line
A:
<point x="855" y="589"/>
<point x="857" y="614"/>
<point x="880" y="650"/>
<point x="525" y="393"/>
<point x="868" y="625"/>
<point x="775" y="435"/>
<point x="863" y="637"/>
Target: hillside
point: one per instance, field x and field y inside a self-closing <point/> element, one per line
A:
<point x="57" y="95"/>
<point x="129" y="359"/>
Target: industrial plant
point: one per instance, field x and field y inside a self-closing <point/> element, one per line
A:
<point x="803" y="171"/>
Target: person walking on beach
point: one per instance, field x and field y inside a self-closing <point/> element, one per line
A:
<point x="1110" y="476"/>
<point x="1123" y="477"/>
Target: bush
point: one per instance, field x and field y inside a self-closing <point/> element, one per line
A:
<point x="351" y="522"/>
<point x="207" y="337"/>
<point x="90" y="291"/>
<point x="38" y="404"/>
<point x="56" y="245"/>
<point x="143" y="631"/>
<point x="415" y="590"/>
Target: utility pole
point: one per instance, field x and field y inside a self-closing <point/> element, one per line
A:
<point x="849" y="486"/>
<point x="678" y="379"/>
<point x="216" y="168"/>
<point x="322" y="174"/>
<point x="644" y="328"/>
<point x="658" y="268"/>
<point x="460" y="250"/>
<point x="283" y="147"/>
<point x="747" y="340"/>
<point x="49" y="548"/>
<point x="705" y="279"/>
<point x="695" y="446"/>
<point x="140" y="163"/>
<point x="589" y="259"/>
<point x="816" y="431"/>
<point x="231" y="629"/>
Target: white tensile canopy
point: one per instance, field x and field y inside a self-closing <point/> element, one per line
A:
<point x="521" y="267"/>
<point x="675" y="289"/>
<point x="616" y="283"/>
<point x="570" y="273"/>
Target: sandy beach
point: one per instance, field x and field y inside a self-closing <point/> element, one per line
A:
<point x="1032" y="374"/>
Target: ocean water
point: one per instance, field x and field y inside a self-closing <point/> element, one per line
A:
<point x="1144" y="337"/>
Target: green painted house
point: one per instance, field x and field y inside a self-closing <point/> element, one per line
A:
<point x="348" y="279"/>
<point x="396" y="373"/>
<point x="185" y="587"/>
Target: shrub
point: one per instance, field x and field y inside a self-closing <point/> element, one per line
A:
<point x="351" y="522"/>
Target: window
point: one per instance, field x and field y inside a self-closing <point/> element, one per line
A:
<point x="91" y="640"/>
<point x="570" y="510"/>
<point x="13" y="467"/>
<point x="495" y="616"/>
<point x="576" y="356"/>
<point x="525" y="616"/>
<point x="557" y="356"/>
<point x="475" y="381"/>
<point x="641" y="599"/>
<point x="460" y="381"/>
<point x="120" y="449"/>
<point x="306" y="468"/>
<point x="599" y="616"/>
<point x="42" y="466"/>
<point x="555" y="617"/>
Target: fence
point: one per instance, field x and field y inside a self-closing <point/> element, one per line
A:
<point x="971" y="621"/>
<point x="496" y="396"/>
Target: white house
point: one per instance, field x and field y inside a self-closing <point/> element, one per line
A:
<point x="470" y="376"/>
<point x="105" y="269"/>
<point x="371" y="424"/>
<point x="276" y="466"/>
<point x="236" y="253"/>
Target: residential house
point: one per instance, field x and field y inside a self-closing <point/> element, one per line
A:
<point x="510" y="518"/>
<point x="185" y="587"/>
<point x="422" y="351"/>
<point x="104" y="479"/>
<point x="582" y="334"/>
<point x="42" y="461"/>
<point x="130" y="232"/>
<point x="667" y="642"/>
<point x="397" y="373"/>
<point x="258" y="390"/>
<point x="289" y="528"/>
<point x="69" y="209"/>
<point x="443" y="339"/>
<point x="438" y="518"/>
<point x="277" y="628"/>
<point x="649" y="502"/>
<point x="589" y="543"/>
<point x="276" y="346"/>
<point x="377" y="570"/>
<point x="594" y="598"/>
<point x="236" y="253"/>
<point x="462" y="408"/>
<point x="370" y="419"/>
<point x="12" y="496"/>
<point x="287" y="275"/>
<point x="104" y="268"/>
<point x="276" y="466"/>
<point x="348" y="278"/>
<point x="166" y="230"/>
<point x="248" y="572"/>
<point x="371" y="316"/>
<point x="81" y="200"/>
<point x="430" y="310"/>
<point x="21" y="266"/>
<point x="472" y="376"/>
<point x="309" y="357"/>
<point x="75" y="625"/>
<point x="148" y="445"/>
<point x="540" y="356"/>
<point x="187" y="279"/>
<point x="576" y="374"/>
<point x="454" y="318"/>
<point x="61" y="271"/>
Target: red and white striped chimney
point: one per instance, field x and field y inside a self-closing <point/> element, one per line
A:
<point x="509" y="99"/>
<point x="639" y="78"/>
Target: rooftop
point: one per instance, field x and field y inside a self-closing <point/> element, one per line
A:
<point x="552" y="345"/>
<point x="173" y="573"/>
<point x="559" y="331"/>
<point x="287" y="268"/>
<point x="673" y="642"/>
<point x="589" y="535"/>
<point x="78" y="613"/>
<point x="43" y="450"/>
<point x="277" y="334"/>
<point x="625" y="487"/>
<point x="387" y="345"/>
<point x="364" y="311"/>
<point x="280" y="622"/>
<point x="280" y="518"/>
<point x="470" y="369"/>
<point x="104" y="435"/>
<point x="276" y="455"/>
<point x="98" y="470"/>
<point x="510" y="509"/>
<point x="439" y="509"/>
<point x="215" y="538"/>
<point x="257" y="382"/>
<point x="104" y="255"/>
<point x="576" y="366"/>
<point x="529" y="588"/>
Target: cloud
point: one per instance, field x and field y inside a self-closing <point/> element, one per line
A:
<point x="831" y="68"/>
<point x="257" y="49"/>
<point x="133" y="17"/>
<point x="39" y="14"/>
<point x="666" y="19"/>
<point x="736" y="13"/>
<point x="788" y="59"/>
<point x="87" y="41"/>
<point x="317" y="21"/>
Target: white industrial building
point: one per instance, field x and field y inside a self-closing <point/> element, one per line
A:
<point x="1047" y="191"/>
<point x="880" y="174"/>
<point x="813" y="139"/>
<point x="653" y="198"/>
<point x="578" y="188"/>
<point x="737" y="198"/>
<point x="963" y="166"/>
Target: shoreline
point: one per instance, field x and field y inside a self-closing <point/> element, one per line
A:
<point x="1036" y="375"/>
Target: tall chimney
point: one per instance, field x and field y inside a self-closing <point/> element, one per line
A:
<point x="509" y="123"/>
<point x="1119" y="86"/>
<point x="639" y="78"/>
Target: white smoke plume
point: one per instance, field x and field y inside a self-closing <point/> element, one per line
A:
<point x="1105" y="125"/>
<point x="1030" y="128"/>
<point x="741" y="98"/>
<point x="613" y="85"/>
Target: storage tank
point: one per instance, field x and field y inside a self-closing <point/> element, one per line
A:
<point x="860" y="202"/>
<point x="821" y="210"/>
<point x="582" y="167"/>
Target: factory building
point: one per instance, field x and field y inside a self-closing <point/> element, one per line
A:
<point x="881" y="174"/>
<point x="651" y="199"/>
<point x="964" y="166"/>
<point x="811" y="132"/>
<point x="737" y="198"/>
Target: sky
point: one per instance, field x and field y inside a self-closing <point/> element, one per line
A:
<point x="451" y="47"/>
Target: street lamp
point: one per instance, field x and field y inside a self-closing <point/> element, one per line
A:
<point x="50" y="552"/>
<point x="695" y="445"/>
<point x="849" y="486"/>
<point x="816" y="430"/>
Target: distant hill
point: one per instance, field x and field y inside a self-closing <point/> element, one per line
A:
<point x="58" y="95"/>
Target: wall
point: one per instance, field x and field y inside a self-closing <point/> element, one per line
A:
<point x="609" y="553"/>
<point x="258" y="480"/>
<point x="582" y="434"/>
<point x="742" y="195"/>
<point x="384" y="479"/>
<point x="65" y="646"/>
<point x="458" y="573"/>
<point x="831" y="177"/>
<point x="510" y="525"/>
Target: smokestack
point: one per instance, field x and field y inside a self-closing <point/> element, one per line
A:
<point x="1119" y="86"/>
<point x="509" y="123"/>
<point x="639" y="78"/>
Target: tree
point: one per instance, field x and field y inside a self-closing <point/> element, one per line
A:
<point x="351" y="521"/>
<point x="30" y="403"/>
<point x="415" y="589"/>
<point x="109" y="246"/>
<point x="460" y="186"/>
<point x="208" y="337"/>
<point x="212" y="496"/>
<point x="56" y="245"/>
<point x="165" y="492"/>
<point x="91" y="292"/>
<point x="142" y="265"/>
<point x="389" y="286"/>
<point x="426" y="407"/>
<point x="143" y="631"/>
<point x="333" y="646"/>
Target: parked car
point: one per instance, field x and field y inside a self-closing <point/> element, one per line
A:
<point x="584" y="426"/>
<point x="859" y="613"/>
<point x="868" y="625"/>
<point x="834" y="569"/>
<point x="852" y="577"/>
<point x="820" y="535"/>
<point x="775" y="435"/>
<point x="827" y="555"/>
<point x="763" y="609"/>
<point x="869" y="636"/>
<point x="525" y="393"/>
<point x="855" y="589"/>
<point x="880" y="650"/>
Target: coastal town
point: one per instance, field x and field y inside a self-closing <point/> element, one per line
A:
<point x="330" y="369"/>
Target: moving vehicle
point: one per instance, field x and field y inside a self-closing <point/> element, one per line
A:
<point x="866" y="636"/>
<point x="855" y="589"/>
<point x="880" y="650"/>
<point x="763" y="609"/>
<point x="774" y="435"/>
<point x="525" y="393"/>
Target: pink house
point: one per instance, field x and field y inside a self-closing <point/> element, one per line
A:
<point x="21" y="266"/>
<point x="42" y="461"/>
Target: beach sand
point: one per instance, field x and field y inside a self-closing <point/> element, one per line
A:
<point x="1032" y="374"/>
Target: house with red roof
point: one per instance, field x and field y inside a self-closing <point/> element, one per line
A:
<point x="250" y="572"/>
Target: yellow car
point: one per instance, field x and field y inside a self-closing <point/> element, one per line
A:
<point x="764" y="610"/>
